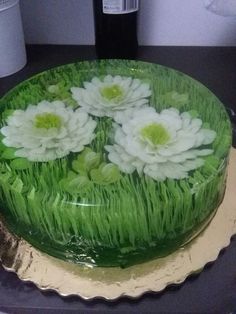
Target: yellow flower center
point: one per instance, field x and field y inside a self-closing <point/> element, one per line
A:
<point x="112" y="92"/>
<point x="155" y="133"/>
<point x="47" y="121"/>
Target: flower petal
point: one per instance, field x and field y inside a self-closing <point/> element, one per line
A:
<point x="76" y="129"/>
<point x="174" y="157"/>
<point x="133" y="94"/>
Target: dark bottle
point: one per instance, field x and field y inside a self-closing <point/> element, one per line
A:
<point x="116" y="28"/>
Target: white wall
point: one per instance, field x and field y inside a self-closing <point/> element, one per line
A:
<point x="161" y="22"/>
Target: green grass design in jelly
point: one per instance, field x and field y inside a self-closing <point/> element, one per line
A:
<point x="128" y="221"/>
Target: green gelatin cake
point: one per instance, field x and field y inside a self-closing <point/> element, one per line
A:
<point x="111" y="163"/>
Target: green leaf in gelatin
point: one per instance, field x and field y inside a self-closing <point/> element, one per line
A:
<point x="63" y="183"/>
<point x="71" y="175"/>
<point x="4" y="177"/>
<point x="77" y="185"/>
<point x="6" y="113"/>
<point x="17" y="185"/>
<point x="20" y="164"/>
<point x="174" y="98"/>
<point x="193" y="113"/>
<point x="9" y="153"/>
<point x="78" y="167"/>
<point x="3" y="168"/>
<point x="54" y="89"/>
<point x="2" y="146"/>
<point x="61" y="91"/>
<point x="206" y="125"/>
<point x="86" y="161"/>
<point x="105" y="174"/>
<point x="70" y="101"/>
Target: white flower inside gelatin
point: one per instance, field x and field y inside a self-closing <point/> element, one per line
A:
<point x="161" y="145"/>
<point x="48" y="131"/>
<point x="106" y="97"/>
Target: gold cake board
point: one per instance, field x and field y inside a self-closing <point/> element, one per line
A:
<point x="111" y="283"/>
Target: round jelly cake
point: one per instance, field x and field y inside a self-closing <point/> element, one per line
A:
<point x="111" y="163"/>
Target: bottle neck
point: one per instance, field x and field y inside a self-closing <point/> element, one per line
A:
<point x="116" y="34"/>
